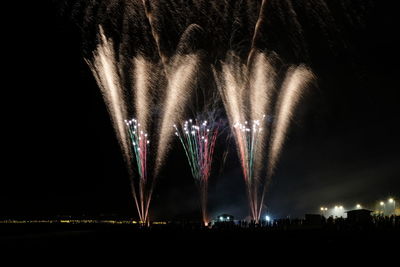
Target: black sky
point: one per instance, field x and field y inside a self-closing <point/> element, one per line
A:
<point x="60" y="155"/>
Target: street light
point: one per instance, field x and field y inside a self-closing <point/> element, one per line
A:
<point x="358" y="206"/>
<point x="382" y="203"/>
<point x="393" y="202"/>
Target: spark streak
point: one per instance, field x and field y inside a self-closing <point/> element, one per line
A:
<point x="296" y="80"/>
<point x="179" y="89"/>
<point x="246" y="96"/>
<point x="198" y="141"/>
<point x="105" y="70"/>
<point x="142" y="81"/>
<point x="140" y="142"/>
<point x="247" y="93"/>
<point x="247" y="139"/>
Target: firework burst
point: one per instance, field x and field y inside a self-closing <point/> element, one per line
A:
<point x="198" y="140"/>
<point x="247" y="93"/>
<point x="248" y="136"/>
<point x="141" y="193"/>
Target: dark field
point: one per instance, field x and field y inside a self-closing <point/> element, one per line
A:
<point x="114" y="235"/>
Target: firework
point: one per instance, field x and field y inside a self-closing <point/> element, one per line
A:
<point x="141" y="193"/>
<point x="104" y="67"/>
<point x="247" y="94"/>
<point x="160" y="59"/>
<point x="297" y="78"/>
<point x="178" y="91"/>
<point x="198" y="141"/>
<point x="248" y="136"/>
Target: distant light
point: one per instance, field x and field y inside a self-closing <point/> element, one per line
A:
<point x="221" y="218"/>
<point x="322" y="208"/>
<point x="358" y="206"/>
<point x="341" y="207"/>
<point x="382" y="203"/>
<point x="267" y="218"/>
<point x="336" y="207"/>
<point x="227" y="218"/>
<point x="326" y="208"/>
<point x="391" y="200"/>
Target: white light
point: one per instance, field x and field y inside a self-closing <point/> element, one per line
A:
<point x="391" y="200"/>
<point x="341" y="207"/>
<point x="221" y="218"/>
<point x="382" y="203"/>
<point x="326" y="208"/>
<point x="358" y="206"/>
<point x="321" y="208"/>
<point x="336" y="207"/>
<point x="267" y="218"/>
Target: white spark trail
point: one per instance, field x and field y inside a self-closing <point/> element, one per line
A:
<point x="232" y="84"/>
<point x="295" y="82"/>
<point x="178" y="91"/>
<point x="142" y="87"/>
<point x="105" y="70"/>
<point x="261" y="89"/>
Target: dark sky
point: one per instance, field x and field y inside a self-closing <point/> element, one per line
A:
<point x="60" y="155"/>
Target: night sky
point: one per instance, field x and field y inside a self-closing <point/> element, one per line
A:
<point x="60" y="155"/>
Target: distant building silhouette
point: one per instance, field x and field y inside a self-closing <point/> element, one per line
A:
<point x="359" y="216"/>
